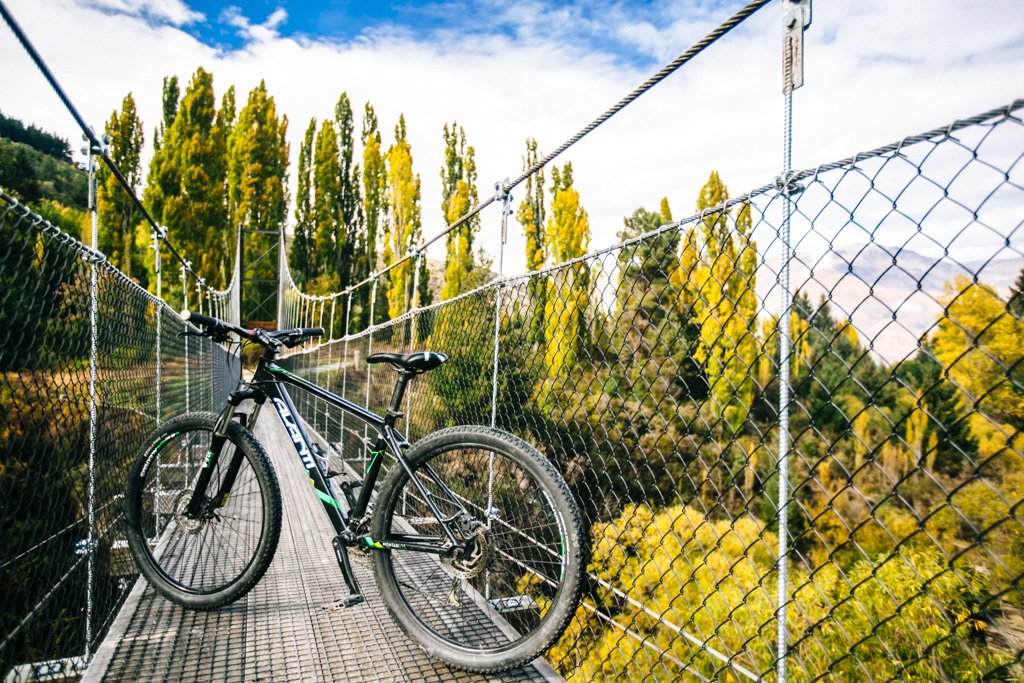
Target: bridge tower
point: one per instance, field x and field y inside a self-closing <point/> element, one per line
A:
<point x="260" y="252"/>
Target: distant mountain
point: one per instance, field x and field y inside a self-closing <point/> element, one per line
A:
<point x="891" y="297"/>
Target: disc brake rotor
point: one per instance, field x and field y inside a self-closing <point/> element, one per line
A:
<point x="189" y="525"/>
<point x="474" y="561"/>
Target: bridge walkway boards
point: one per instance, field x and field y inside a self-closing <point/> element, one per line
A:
<point x="280" y="630"/>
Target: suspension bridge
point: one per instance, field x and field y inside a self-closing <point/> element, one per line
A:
<point x="777" y="488"/>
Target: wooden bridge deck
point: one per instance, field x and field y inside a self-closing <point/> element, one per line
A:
<point x="280" y="630"/>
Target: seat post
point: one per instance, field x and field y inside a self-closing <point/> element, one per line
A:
<point x="395" y="408"/>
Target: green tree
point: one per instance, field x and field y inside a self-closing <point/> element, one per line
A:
<point x="568" y="236"/>
<point x="374" y="212"/>
<point x="403" y="221"/>
<point x="258" y="194"/>
<point x="170" y="95"/>
<point x="117" y="214"/>
<point x="458" y="196"/>
<point x="351" y="233"/>
<point x="531" y="216"/>
<point x="186" y="186"/>
<point x="327" y="219"/>
<point x="300" y="258"/>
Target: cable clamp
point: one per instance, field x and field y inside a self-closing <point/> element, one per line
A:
<point x="796" y="17"/>
<point x="86" y="546"/>
<point x="789" y="186"/>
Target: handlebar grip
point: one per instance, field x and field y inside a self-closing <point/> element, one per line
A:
<point x="200" y="319"/>
<point x="311" y="331"/>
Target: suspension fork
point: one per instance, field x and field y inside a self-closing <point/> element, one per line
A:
<point x="217" y="445"/>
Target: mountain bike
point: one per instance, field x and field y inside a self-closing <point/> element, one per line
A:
<point x="477" y="545"/>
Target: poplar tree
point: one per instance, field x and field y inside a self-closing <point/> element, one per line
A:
<point x="170" y="95"/>
<point x="258" y="195"/>
<point x="300" y="256"/>
<point x="531" y="216"/>
<point x="118" y="215"/>
<point x="568" y="236"/>
<point x="724" y="303"/>
<point x="326" y="209"/>
<point x="403" y="223"/>
<point x="458" y="196"/>
<point x="350" y="229"/>
<point x="374" y="211"/>
<point x="186" y="189"/>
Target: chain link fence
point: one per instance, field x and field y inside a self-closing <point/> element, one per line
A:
<point x="650" y="373"/>
<point x="90" y="363"/>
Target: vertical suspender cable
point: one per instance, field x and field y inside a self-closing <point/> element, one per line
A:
<point x="796" y="17"/>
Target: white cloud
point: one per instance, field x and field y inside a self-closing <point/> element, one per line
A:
<point x="174" y="12"/>
<point x="255" y="32"/>
<point x="722" y="111"/>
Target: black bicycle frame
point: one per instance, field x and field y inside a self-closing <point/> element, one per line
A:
<point x="269" y="382"/>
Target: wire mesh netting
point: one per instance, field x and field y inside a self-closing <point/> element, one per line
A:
<point x="649" y="373"/>
<point x="64" y="560"/>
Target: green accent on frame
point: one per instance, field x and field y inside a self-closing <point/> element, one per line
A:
<point x="274" y="368"/>
<point x="325" y="498"/>
<point x="372" y="543"/>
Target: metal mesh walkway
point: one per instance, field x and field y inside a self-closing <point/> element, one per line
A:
<point x="280" y="631"/>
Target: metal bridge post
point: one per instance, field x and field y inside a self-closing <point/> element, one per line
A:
<point x="796" y="17"/>
<point x="158" y="235"/>
<point x="184" y="299"/>
<point x="369" y="351"/>
<point x="502" y="193"/>
<point x="90" y="543"/>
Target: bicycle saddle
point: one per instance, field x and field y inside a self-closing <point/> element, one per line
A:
<point x="418" y="362"/>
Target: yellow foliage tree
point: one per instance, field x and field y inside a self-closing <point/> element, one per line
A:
<point x="568" y="236"/>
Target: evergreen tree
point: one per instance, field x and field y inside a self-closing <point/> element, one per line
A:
<point x="374" y="211"/>
<point x="531" y="216"/>
<point x="258" y="196"/>
<point x="403" y="223"/>
<point x="118" y="215"/>
<point x="301" y="256"/>
<point x="327" y="220"/>
<point x="568" y="236"/>
<point x="458" y="196"/>
<point x="186" y="188"/>
<point x="653" y="347"/>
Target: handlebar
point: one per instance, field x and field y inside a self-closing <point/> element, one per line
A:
<point x="219" y="329"/>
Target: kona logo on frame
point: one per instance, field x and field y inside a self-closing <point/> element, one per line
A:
<point x="294" y="433"/>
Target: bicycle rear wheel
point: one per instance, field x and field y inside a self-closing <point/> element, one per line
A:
<point x="511" y="596"/>
<point x="205" y="560"/>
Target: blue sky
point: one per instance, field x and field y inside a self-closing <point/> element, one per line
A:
<point x="589" y="25"/>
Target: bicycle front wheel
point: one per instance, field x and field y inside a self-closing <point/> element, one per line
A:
<point x="510" y="596"/>
<point x="207" y="558"/>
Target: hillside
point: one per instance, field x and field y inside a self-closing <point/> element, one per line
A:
<point x="891" y="301"/>
<point x="33" y="175"/>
